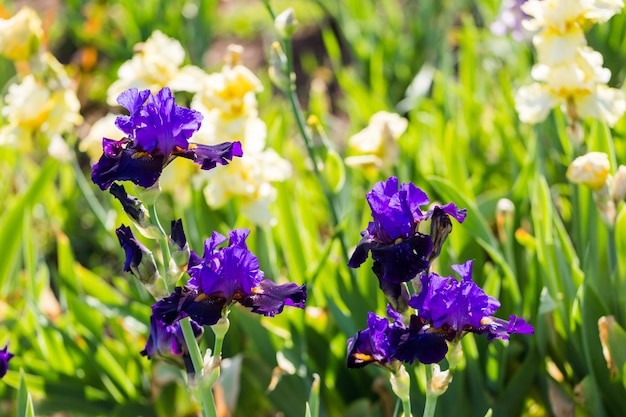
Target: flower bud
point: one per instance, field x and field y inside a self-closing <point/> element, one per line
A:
<point x="20" y="36"/>
<point x="278" y="67"/>
<point x="618" y="192"/>
<point x="591" y="170"/>
<point x="178" y="244"/>
<point x="440" y="228"/>
<point x="401" y="383"/>
<point x="286" y="23"/>
<point x="504" y="216"/>
<point x="439" y="381"/>
<point x="139" y="259"/>
<point x="179" y="251"/>
<point x="137" y="212"/>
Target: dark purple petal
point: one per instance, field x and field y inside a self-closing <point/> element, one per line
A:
<point x="167" y="340"/>
<point x="411" y="343"/>
<point x="208" y="156"/>
<point x="403" y="261"/>
<point x="5" y="356"/>
<point x="184" y="302"/>
<point x="270" y="298"/>
<point x="362" y="250"/>
<point x="118" y="163"/>
<point x="370" y="345"/>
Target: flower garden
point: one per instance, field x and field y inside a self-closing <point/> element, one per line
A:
<point x="314" y="208"/>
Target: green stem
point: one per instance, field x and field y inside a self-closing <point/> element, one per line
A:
<point x="165" y="249"/>
<point x="406" y="408"/>
<point x="206" y="392"/>
<point x="431" y="399"/>
<point x="308" y="142"/>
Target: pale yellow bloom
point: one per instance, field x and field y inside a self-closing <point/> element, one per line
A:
<point x="156" y="64"/>
<point x="249" y="180"/>
<point x="231" y="92"/>
<point x="591" y="169"/>
<point x="32" y="108"/>
<point x="27" y="103"/>
<point x="376" y="145"/>
<point x="227" y="101"/>
<point x="577" y="85"/>
<point x="562" y="15"/>
<point x="20" y="36"/>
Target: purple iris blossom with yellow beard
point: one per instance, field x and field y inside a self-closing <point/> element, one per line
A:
<point x="447" y="309"/>
<point x="157" y="131"/>
<point x="400" y="252"/>
<point x="223" y="276"/>
<point x="452" y="308"/>
<point x="387" y="344"/>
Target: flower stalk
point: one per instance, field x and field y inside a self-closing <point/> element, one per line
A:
<point x="296" y="109"/>
<point x="206" y="390"/>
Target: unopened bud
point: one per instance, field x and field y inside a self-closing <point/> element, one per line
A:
<point x="278" y="67"/>
<point x="618" y="191"/>
<point x="591" y="170"/>
<point x="440" y="228"/>
<point x="139" y="259"/>
<point x="401" y="383"/>
<point x="137" y="212"/>
<point x="605" y="204"/>
<point x="286" y="23"/>
<point x="178" y="244"/>
<point x="504" y="215"/>
<point x="179" y="252"/>
<point x="439" y="381"/>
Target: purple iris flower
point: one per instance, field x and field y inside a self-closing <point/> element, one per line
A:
<point x="453" y="307"/>
<point x="223" y="276"/>
<point x="399" y="250"/>
<point x="387" y="344"/>
<point x="167" y="342"/>
<point x="157" y="131"/>
<point x="5" y="356"/>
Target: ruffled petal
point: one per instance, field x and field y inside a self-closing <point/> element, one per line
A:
<point x="270" y="298"/>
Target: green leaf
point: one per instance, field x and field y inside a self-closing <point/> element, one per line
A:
<point x="24" y="401"/>
<point x="313" y="405"/>
<point x="11" y="222"/>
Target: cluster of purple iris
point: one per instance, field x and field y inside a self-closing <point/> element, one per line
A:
<point x="444" y="308"/>
<point x="157" y="131"/>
